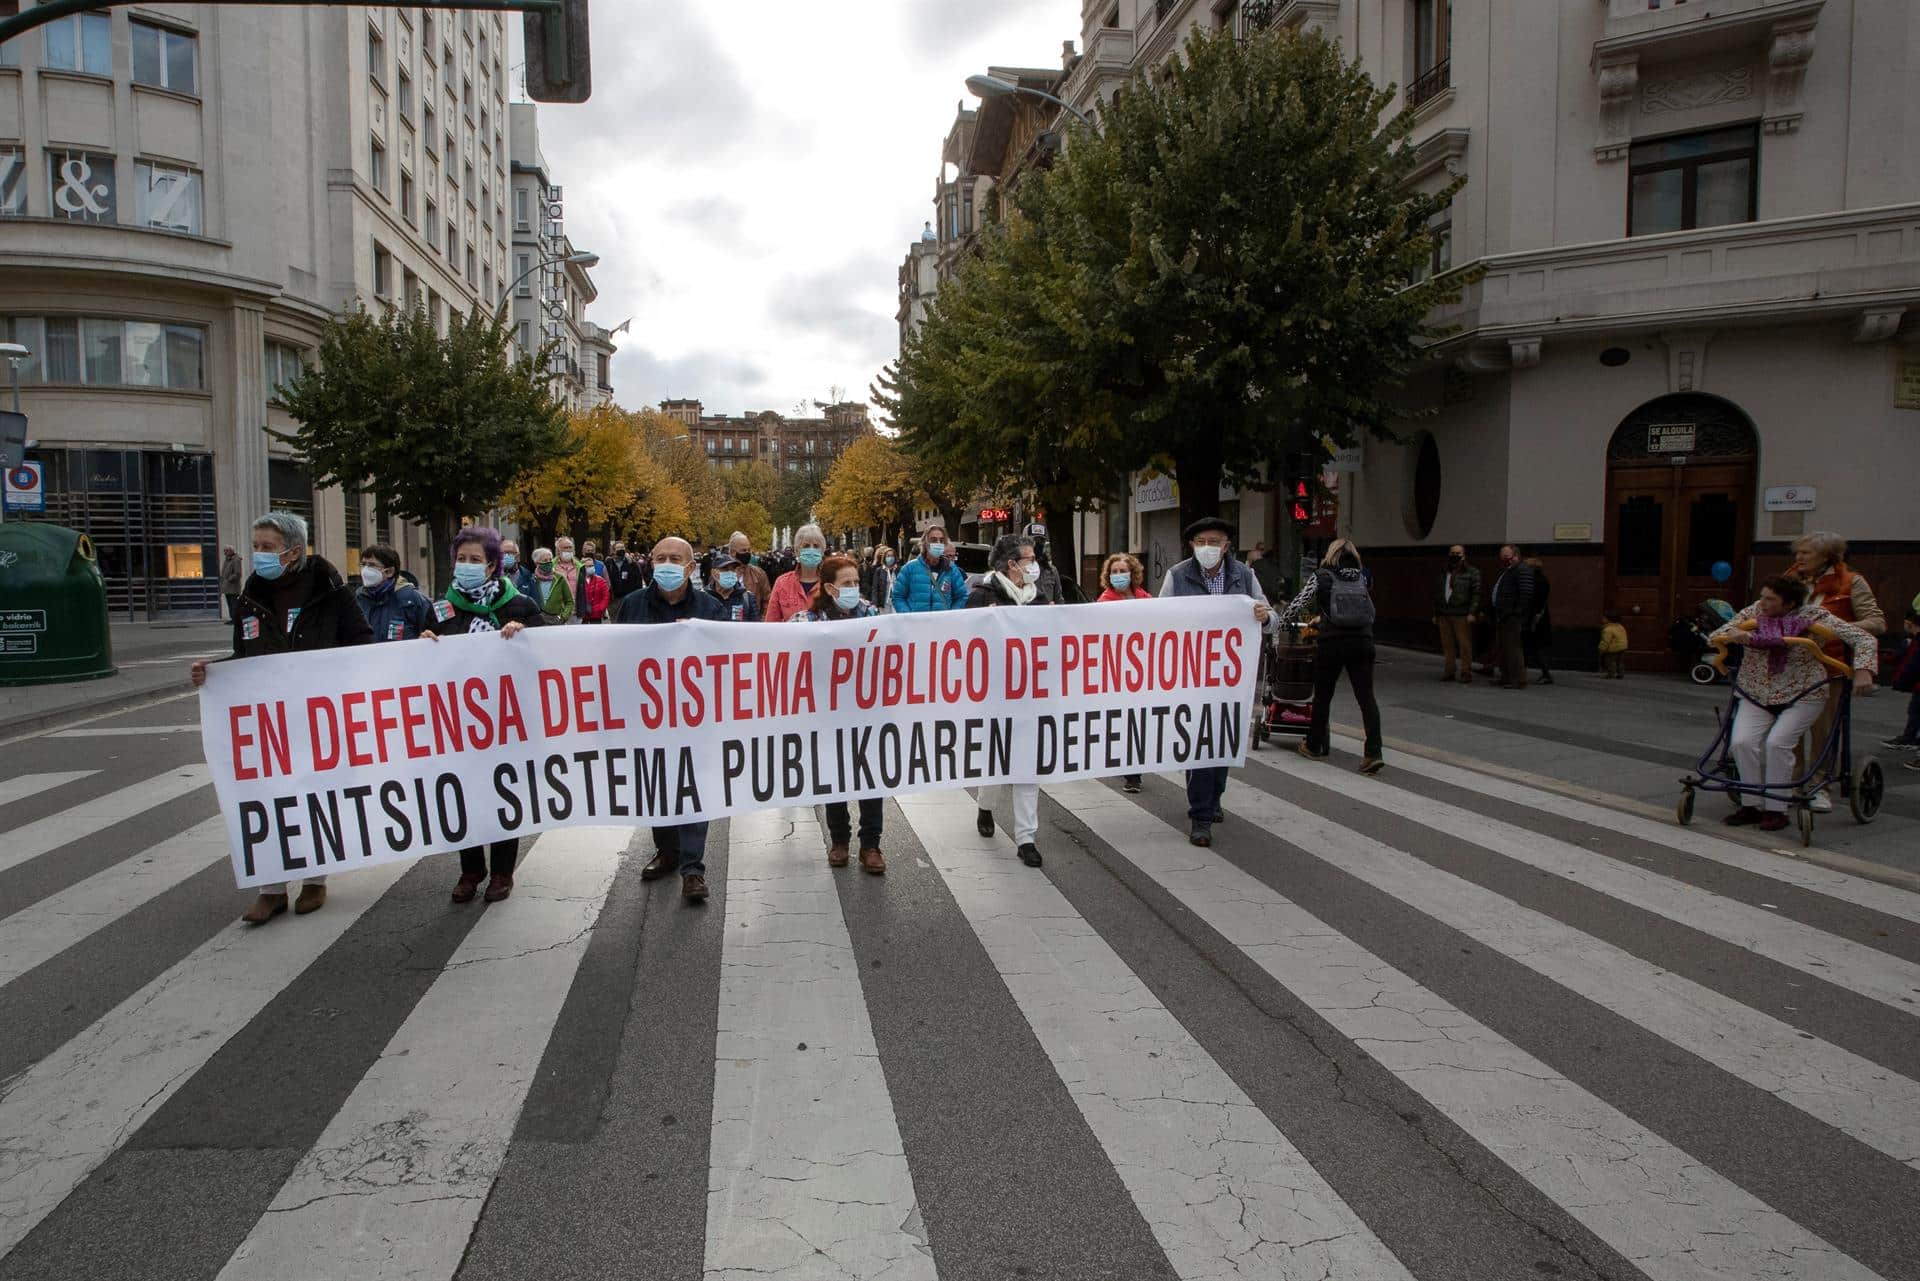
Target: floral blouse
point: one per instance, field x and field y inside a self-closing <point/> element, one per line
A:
<point x="1775" y="684"/>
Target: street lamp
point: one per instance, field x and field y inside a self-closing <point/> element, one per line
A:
<point x="580" y="259"/>
<point x="994" y="87"/>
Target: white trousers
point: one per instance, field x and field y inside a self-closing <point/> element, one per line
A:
<point x="1763" y="743"/>
<point x="281" y="888"/>
<point x="1026" y="807"/>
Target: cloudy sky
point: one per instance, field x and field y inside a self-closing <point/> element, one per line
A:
<point x="752" y="173"/>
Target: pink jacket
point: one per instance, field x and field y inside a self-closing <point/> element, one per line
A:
<point x="789" y="597"/>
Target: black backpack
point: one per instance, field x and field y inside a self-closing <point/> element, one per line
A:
<point x="1349" y="604"/>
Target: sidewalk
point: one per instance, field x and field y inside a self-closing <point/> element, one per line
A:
<point x="1630" y="739"/>
<point x="151" y="659"/>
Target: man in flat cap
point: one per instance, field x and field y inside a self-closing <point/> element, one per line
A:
<point x="1212" y="571"/>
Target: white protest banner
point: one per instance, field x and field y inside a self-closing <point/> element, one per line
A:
<point x="330" y="761"/>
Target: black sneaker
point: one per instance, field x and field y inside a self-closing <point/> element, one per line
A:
<point x="1130" y="784"/>
<point x="1029" y="854"/>
<point x="1200" y="834"/>
<point x="984" y="823"/>
<point x="1901" y="743"/>
<point x="1913" y="763"/>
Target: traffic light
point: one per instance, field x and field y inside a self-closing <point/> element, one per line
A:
<point x="1299" y="480"/>
<point x="558" y="66"/>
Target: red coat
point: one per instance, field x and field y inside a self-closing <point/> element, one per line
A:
<point x="789" y="597"/>
<point x="1135" y="594"/>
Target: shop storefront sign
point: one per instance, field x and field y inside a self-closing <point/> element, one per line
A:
<point x="1670" y="438"/>
<point x="1789" y="498"/>
<point x="1154" y="494"/>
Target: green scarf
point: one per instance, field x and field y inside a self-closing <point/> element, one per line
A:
<point x="491" y="611"/>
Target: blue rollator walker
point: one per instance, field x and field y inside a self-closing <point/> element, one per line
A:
<point x="1863" y="786"/>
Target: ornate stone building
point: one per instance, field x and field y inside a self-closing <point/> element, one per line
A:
<point x="787" y="444"/>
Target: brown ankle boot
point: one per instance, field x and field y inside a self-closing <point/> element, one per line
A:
<point x="873" y="861"/>
<point x="467" y="886"/>
<point x="837" y="854"/>
<point x="312" y="899"/>
<point x="264" y="909"/>
<point x="498" y="887"/>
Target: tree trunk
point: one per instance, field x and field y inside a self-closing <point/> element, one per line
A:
<point x="1060" y="534"/>
<point x="440" y="533"/>
<point x="950" y="517"/>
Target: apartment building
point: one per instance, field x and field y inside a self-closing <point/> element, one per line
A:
<point x="551" y="283"/>
<point x="187" y="192"/>
<point x="792" y="444"/>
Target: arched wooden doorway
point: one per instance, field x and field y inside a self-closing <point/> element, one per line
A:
<point x="1680" y="476"/>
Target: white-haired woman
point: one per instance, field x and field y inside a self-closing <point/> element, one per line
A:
<point x="793" y="594"/>
<point x="292" y="602"/>
<point x="1344" y="604"/>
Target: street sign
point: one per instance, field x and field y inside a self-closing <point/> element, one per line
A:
<point x="1789" y="498"/>
<point x="13" y="439"/>
<point x="25" y="491"/>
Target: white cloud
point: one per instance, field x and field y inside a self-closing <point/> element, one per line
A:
<point x="751" y="175"/>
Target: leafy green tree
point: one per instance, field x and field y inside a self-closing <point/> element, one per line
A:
<point x="751" y="519"/>
<point x="434" y="428"/>
<point x="799" y="492"/>
<point x="756" y="482"/>
<point x="1230" y="268"/>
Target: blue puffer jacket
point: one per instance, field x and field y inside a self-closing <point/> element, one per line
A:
<point x="918" y="590"/>
<point x="399" y="613"/>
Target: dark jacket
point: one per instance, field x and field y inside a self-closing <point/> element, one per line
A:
<point x="516" y="608"/>
<point x="741" y="606"/>
<point x="1540" y="621"/>
<point x="327" y="617"/>
<point x="650" y="607"/>
<point x="1513" y="591"/>
<point x="522" y="579"/>
<point x="1186" y="579"/>
<point x="624" y="577"/>
<point x="1323" y="601"/>
<point x="1906" y="676"/>
<point x="232" y="572"/>
<point x="988" y="594"/>
<point x="1464" y="596"/>
<point x="398" y="613"/>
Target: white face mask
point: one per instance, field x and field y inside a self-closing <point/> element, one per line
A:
<point x="372" y="575"/>
<point x="1032" y="570"/>
<point x="1208" y="556"/>
<point x="566" y="556"/>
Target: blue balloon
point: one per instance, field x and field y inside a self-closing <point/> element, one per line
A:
<point x="1722" y="571"/>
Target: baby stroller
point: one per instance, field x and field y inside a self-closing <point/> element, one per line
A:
<point x="1863" y="786"/>
<point x="1688" y="637"/>
<point x="1285" y="688"/>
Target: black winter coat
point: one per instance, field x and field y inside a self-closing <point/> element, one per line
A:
<point x="329" y="616"/>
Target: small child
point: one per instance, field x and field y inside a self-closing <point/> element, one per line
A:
<point x="1906" y="679"/>
<point x="1613" y="648"/>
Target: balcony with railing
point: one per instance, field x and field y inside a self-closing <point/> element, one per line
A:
<point x="1430" y="83"/>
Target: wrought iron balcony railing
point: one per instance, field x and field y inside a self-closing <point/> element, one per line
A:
<point x="1429" y="83"/>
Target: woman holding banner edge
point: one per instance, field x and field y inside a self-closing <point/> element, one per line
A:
<point x="1011" y="579"/>
<point x="837" y="597"/>
<point x="481" y="600"/>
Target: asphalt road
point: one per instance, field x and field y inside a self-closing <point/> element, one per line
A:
<point x="1438" y="1024"/>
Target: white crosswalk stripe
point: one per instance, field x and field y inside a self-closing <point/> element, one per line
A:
<point x="25" y="785"/>
<point x="808" y="1173"/>
<point x="94" y="816"/>
<point x="72" y="1109"/>
<point x="394" y="1185"/>
<point x="1862" y="969"/>
<point x="1222" y="1189"/>
<point x="43" y="930"/>
<point x="1671" y="1217"/>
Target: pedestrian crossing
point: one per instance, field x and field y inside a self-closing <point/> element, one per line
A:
<point x="1461" y="958"/>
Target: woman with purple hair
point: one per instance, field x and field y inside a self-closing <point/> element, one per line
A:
<point x="480" y="600"/>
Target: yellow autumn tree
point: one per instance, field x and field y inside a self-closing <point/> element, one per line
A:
<point x="751" y="519"/>
<point x="870" y="488"/>
<point x="580" y="490"/>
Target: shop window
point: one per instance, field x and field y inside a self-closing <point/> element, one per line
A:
<point x="1696" y="180"/>
<point x="99" y="352"/>
<point x="82" y="186"/>
<point x="80" y="42"/>
<point x="162" y="57"/>
<point x="167" y="197"/>
<point x="186" y="560"/>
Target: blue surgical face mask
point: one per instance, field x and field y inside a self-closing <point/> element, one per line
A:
<point x="811" y="556"/>
<point x="669" y="577"/>
<point x="508" y="560"/>
<point x="467" y="576"/>
<point x="728" y="579"/>
<point x="1120" y="581"/>
<point x="936" y="550"/>
<point x="267" y="564"/>
<point x="847" y="597"/>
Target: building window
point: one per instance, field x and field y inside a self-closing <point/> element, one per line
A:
<point x="710" y="446"/>
<point x="285" y="363"/>
<point x="382" y="271"/>
<point x="1698" y="180"/>
<point x="486" y="280"/>
<point x="101" y="352"/>
<point x="526" y="338"/>
<point x="162" y="57"/>
<point x="403" y="93"/>
<point x="1432" y="50"/>
<point x="433" y="226"/>
<point x="82" y="186"/>
<point x="429" y="132"/>
<point x="426" y="34"/>
<point x="166" y="197"/>
<point x="406" y="196"/>
<point x="13" y="181"/>
<point x="473" y="267"/>
<point x="376" y="57"/>
<point x="410" y="290"/>
<point x="377" y="169"/>
<point x="522" y="209"/>
<point x="433" y="311"/>
<point x="80" y="42"/>
<point x="523" y="263"/>
<point x="453" y="244"/>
